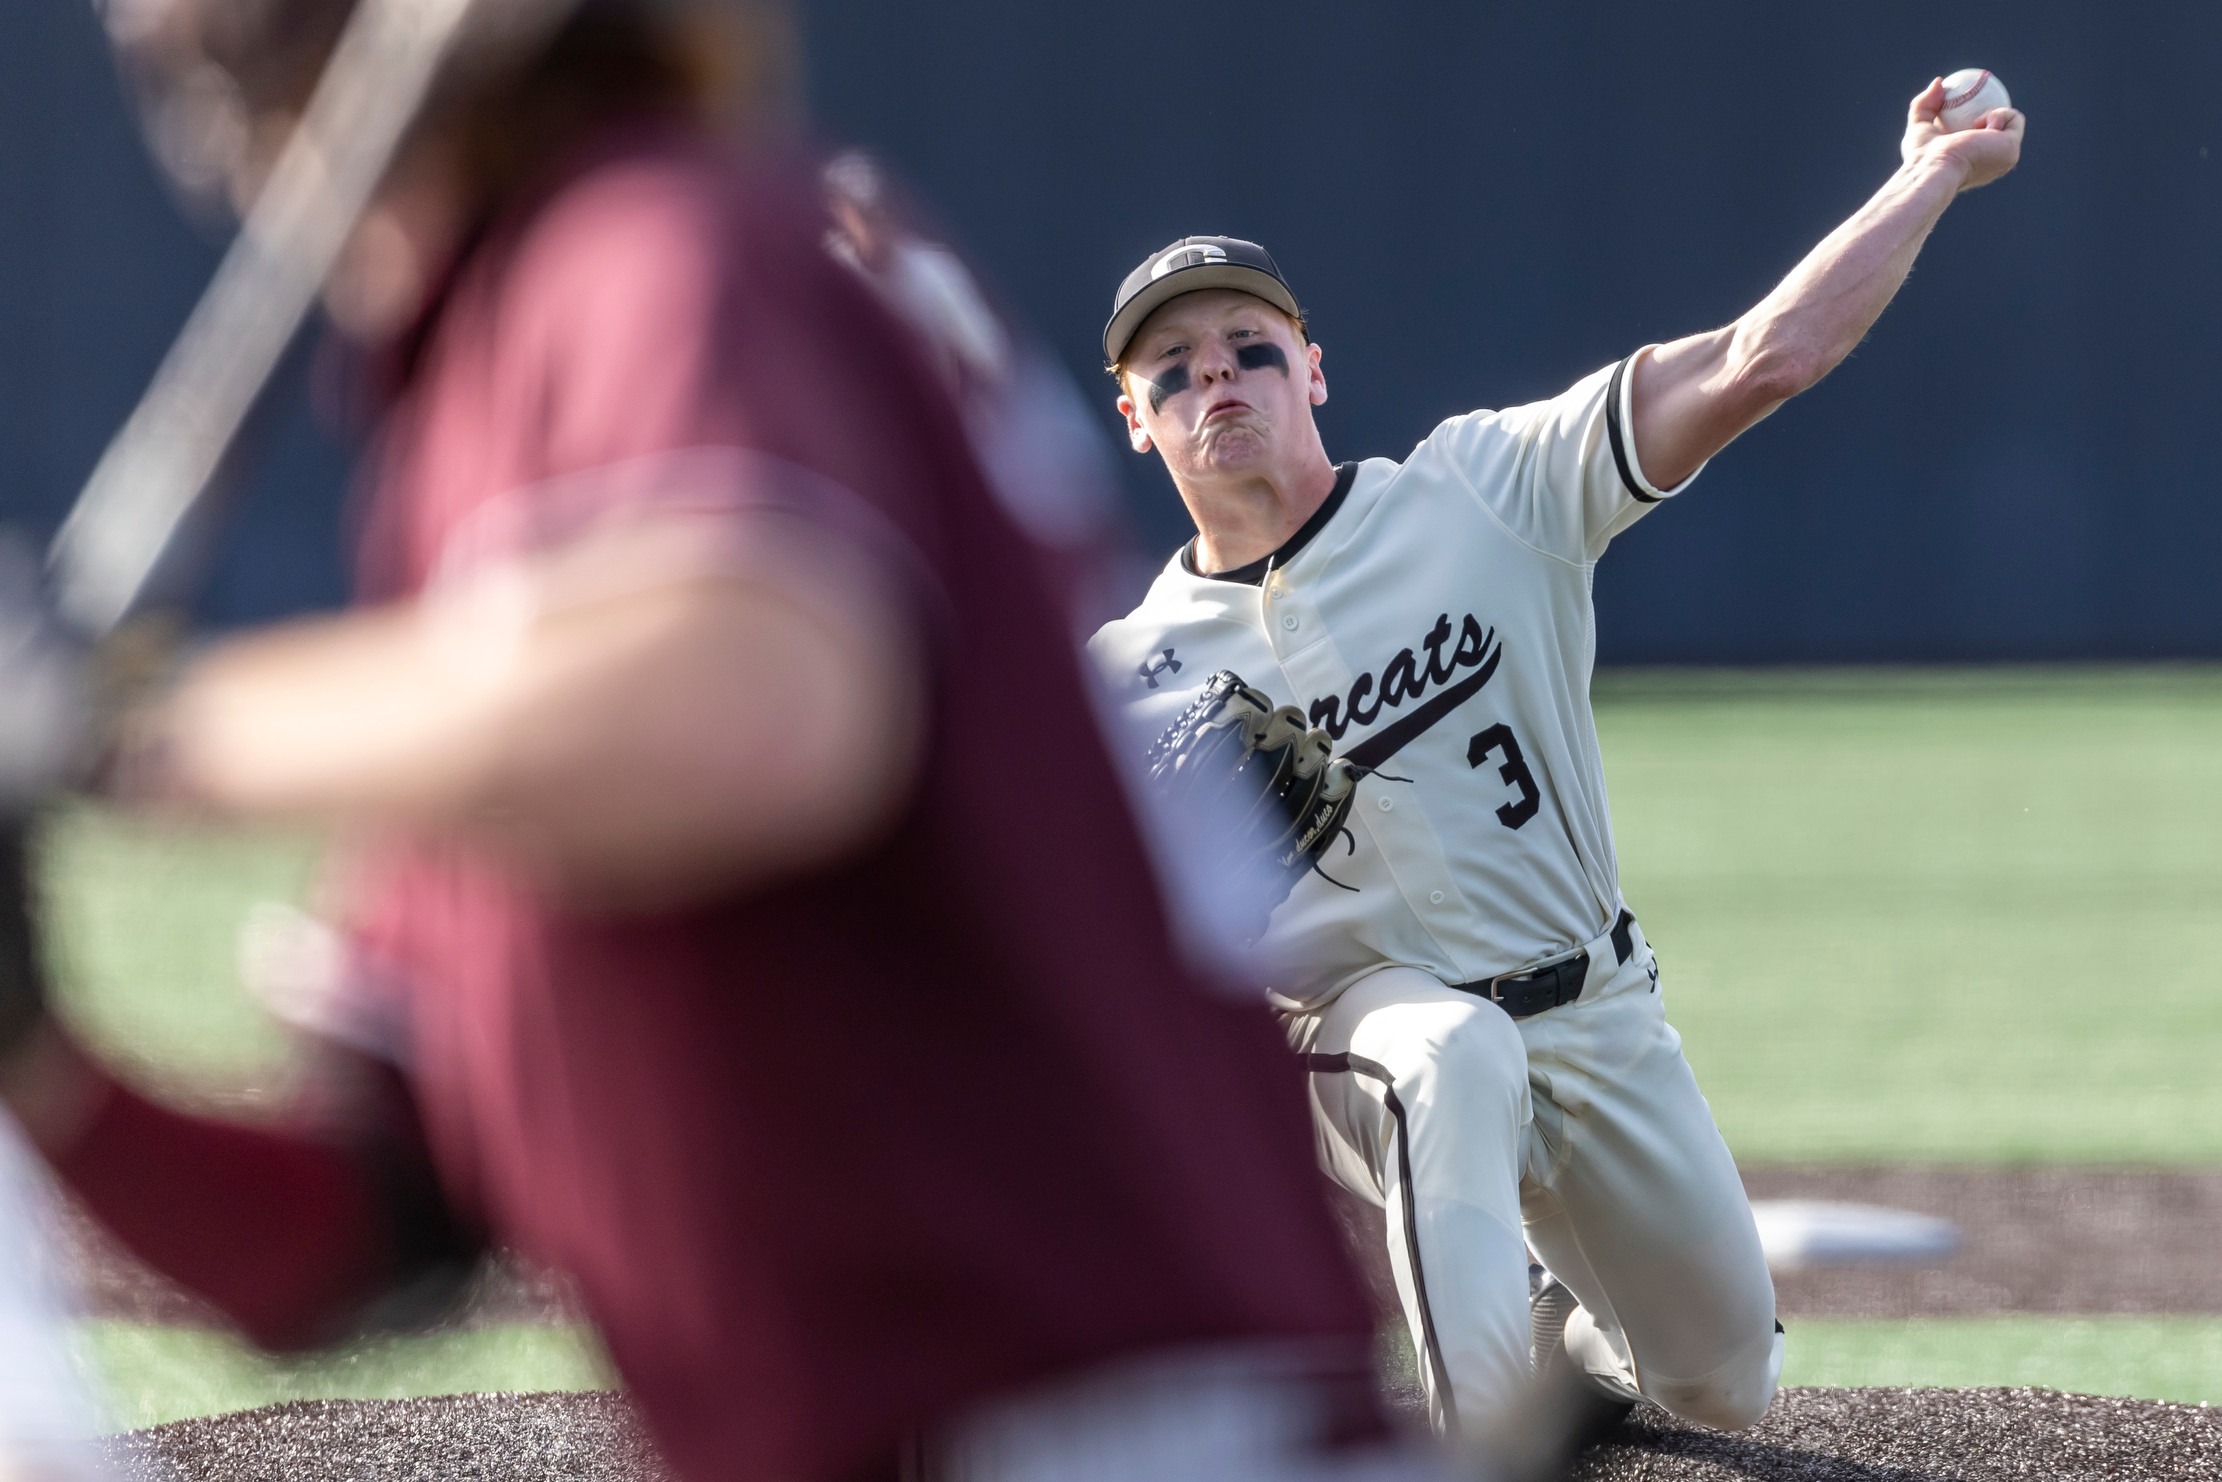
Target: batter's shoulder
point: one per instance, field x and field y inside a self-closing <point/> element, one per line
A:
<point x="634" y="218"/>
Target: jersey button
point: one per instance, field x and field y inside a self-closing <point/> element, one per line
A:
<point x="1435" y="897"/>
<point x="1289" y="622"/>
<point x="1384" y="804"/>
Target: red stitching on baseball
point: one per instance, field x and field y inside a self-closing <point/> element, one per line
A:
<point x="1951" y="102"/>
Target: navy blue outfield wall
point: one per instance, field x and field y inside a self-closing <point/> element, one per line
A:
<point x="1478" y="203"/>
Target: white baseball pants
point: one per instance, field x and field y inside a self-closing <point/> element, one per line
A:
<point x="47" y="1421"/>
<point x="1578" y="1131"/>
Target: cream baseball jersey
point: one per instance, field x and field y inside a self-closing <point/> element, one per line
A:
<point x="1435" y="618"/>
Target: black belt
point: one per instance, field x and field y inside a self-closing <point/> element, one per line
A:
<point x="1523" y="994"/>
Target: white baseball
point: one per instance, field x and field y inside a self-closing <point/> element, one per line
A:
<point x="1970" y="93"/>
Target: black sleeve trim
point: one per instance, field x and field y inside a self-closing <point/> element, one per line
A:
<point x="1619" y="439"/>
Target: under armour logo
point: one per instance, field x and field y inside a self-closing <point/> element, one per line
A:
<point x="1154" y="667"/>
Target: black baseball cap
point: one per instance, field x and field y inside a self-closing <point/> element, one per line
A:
<point x="1185" y="266"/>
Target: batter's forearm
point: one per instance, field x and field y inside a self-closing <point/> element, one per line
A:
<point x="647" y="747"/>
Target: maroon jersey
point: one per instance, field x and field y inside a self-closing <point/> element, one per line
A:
<point x="836" y="1157"/>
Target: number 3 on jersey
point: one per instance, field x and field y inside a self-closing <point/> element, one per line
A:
<point x="1514" y="771"/>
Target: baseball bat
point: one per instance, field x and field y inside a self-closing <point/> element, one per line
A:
<point x="162" y="465"/>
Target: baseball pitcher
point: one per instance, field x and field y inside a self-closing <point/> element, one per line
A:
<point x="1478" y="1007"/>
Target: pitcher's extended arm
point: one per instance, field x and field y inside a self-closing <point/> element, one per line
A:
<point x="1695" y="396"/>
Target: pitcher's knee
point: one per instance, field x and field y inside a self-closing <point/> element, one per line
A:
<point x="1730" y="1398"/>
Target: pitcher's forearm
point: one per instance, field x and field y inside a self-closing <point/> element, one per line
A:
<point x="1820" y="312"/>
<point x="1695" y="396"/>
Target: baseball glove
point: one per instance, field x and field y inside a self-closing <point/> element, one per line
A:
<point x="1259" y="773"/>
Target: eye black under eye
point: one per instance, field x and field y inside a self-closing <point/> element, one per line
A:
<point x="1171" y="382"/>
<point x="1257" y="357"/>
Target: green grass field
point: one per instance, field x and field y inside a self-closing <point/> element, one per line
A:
<point x="152" y="1375"/>
<point x="1960" y="916"/>
<point x="2152" y="1358"/>
<point x="1955" y="916"/>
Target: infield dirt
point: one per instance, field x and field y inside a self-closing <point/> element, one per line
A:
<point x="2036" y="1239"/>
<point x="2033" y="1240"/>
<point x="2052" y="1240"/>
<point x="1811" y="1435"/>
<point x="1923" y="1435"/>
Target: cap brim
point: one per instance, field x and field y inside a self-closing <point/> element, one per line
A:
<point x="1119" y="333"/>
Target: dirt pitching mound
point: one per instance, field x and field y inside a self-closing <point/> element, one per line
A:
<point x="2067" y="1240"/>
<point x="1811" y="1435"/>
<point x="482" y="1438"/>
<point x="1923" y="1435"/>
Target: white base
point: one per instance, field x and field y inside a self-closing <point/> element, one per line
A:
<point x="1798" y="1233"/>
